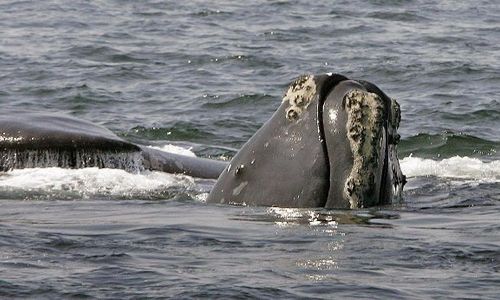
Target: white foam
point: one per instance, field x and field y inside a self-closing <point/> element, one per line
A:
<point x="88" y="182"/>
<point x="175" y="149"/>
<point x="454" y="167"/>
<point x="287" y="213"/>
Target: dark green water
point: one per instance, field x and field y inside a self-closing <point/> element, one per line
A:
<point x="206" y="76"/>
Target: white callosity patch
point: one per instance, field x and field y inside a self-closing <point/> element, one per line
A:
<point x="364" y="124"/>
<point x="332" y="115"/>
<point x="299" y="95"/>
<point x="332" y="119"/>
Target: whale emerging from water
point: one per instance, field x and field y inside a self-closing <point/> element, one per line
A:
<point x="331" y="143"/>
<point x="29" y="140"/>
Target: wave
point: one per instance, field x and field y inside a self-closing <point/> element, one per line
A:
<point x="175" y="149"/>
<point x="180" y="131"/>
<point x="447" y="145"/>
<point x="406" y="16"/>
<point x="455" y="167"/>
<point x="238" y="101"/>
<point x="103" y="54"/>
<point x="84" y="183"/>
<point x="94" y="183"/>
<point x="58" y="183"/>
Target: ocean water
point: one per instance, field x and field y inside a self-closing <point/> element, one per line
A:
<point x="201" y="77"/>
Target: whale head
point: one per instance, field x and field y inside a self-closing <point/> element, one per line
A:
<point x="331" y="143"/>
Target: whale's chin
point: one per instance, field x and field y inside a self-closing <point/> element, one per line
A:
<point x="331" y="143"/>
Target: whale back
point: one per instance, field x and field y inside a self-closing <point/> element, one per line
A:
<point x="30" y="140"/>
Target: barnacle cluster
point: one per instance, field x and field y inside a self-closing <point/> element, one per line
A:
<point x="365" y="114"/>
<point x="299" y="95"/>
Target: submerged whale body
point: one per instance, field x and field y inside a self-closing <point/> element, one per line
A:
<point x="30" y="140"/>
<point x="331" y="143"/>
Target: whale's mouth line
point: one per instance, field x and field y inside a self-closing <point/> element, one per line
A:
<point x="331" y="82"/>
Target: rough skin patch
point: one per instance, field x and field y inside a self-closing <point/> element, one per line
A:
<point x="396" y="113"/>
<point x="299" y="95"/>
<point x="364" y="126"/>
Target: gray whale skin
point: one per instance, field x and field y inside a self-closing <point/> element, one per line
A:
<point x="331" y="143"/>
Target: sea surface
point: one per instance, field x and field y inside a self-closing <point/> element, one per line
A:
<point x="202" y="77"/>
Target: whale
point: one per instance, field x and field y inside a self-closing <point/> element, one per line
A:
<point x="331" y="143"/>
<point x="29" y="140"/>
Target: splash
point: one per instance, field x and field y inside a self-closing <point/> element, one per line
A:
<point x="109" y="181"/>
<point x="58" y="183"/>
<point x="175" y="149"/>
<point x="454" y="167"/>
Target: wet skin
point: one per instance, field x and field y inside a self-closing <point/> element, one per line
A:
<point x="331" y="143"/>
